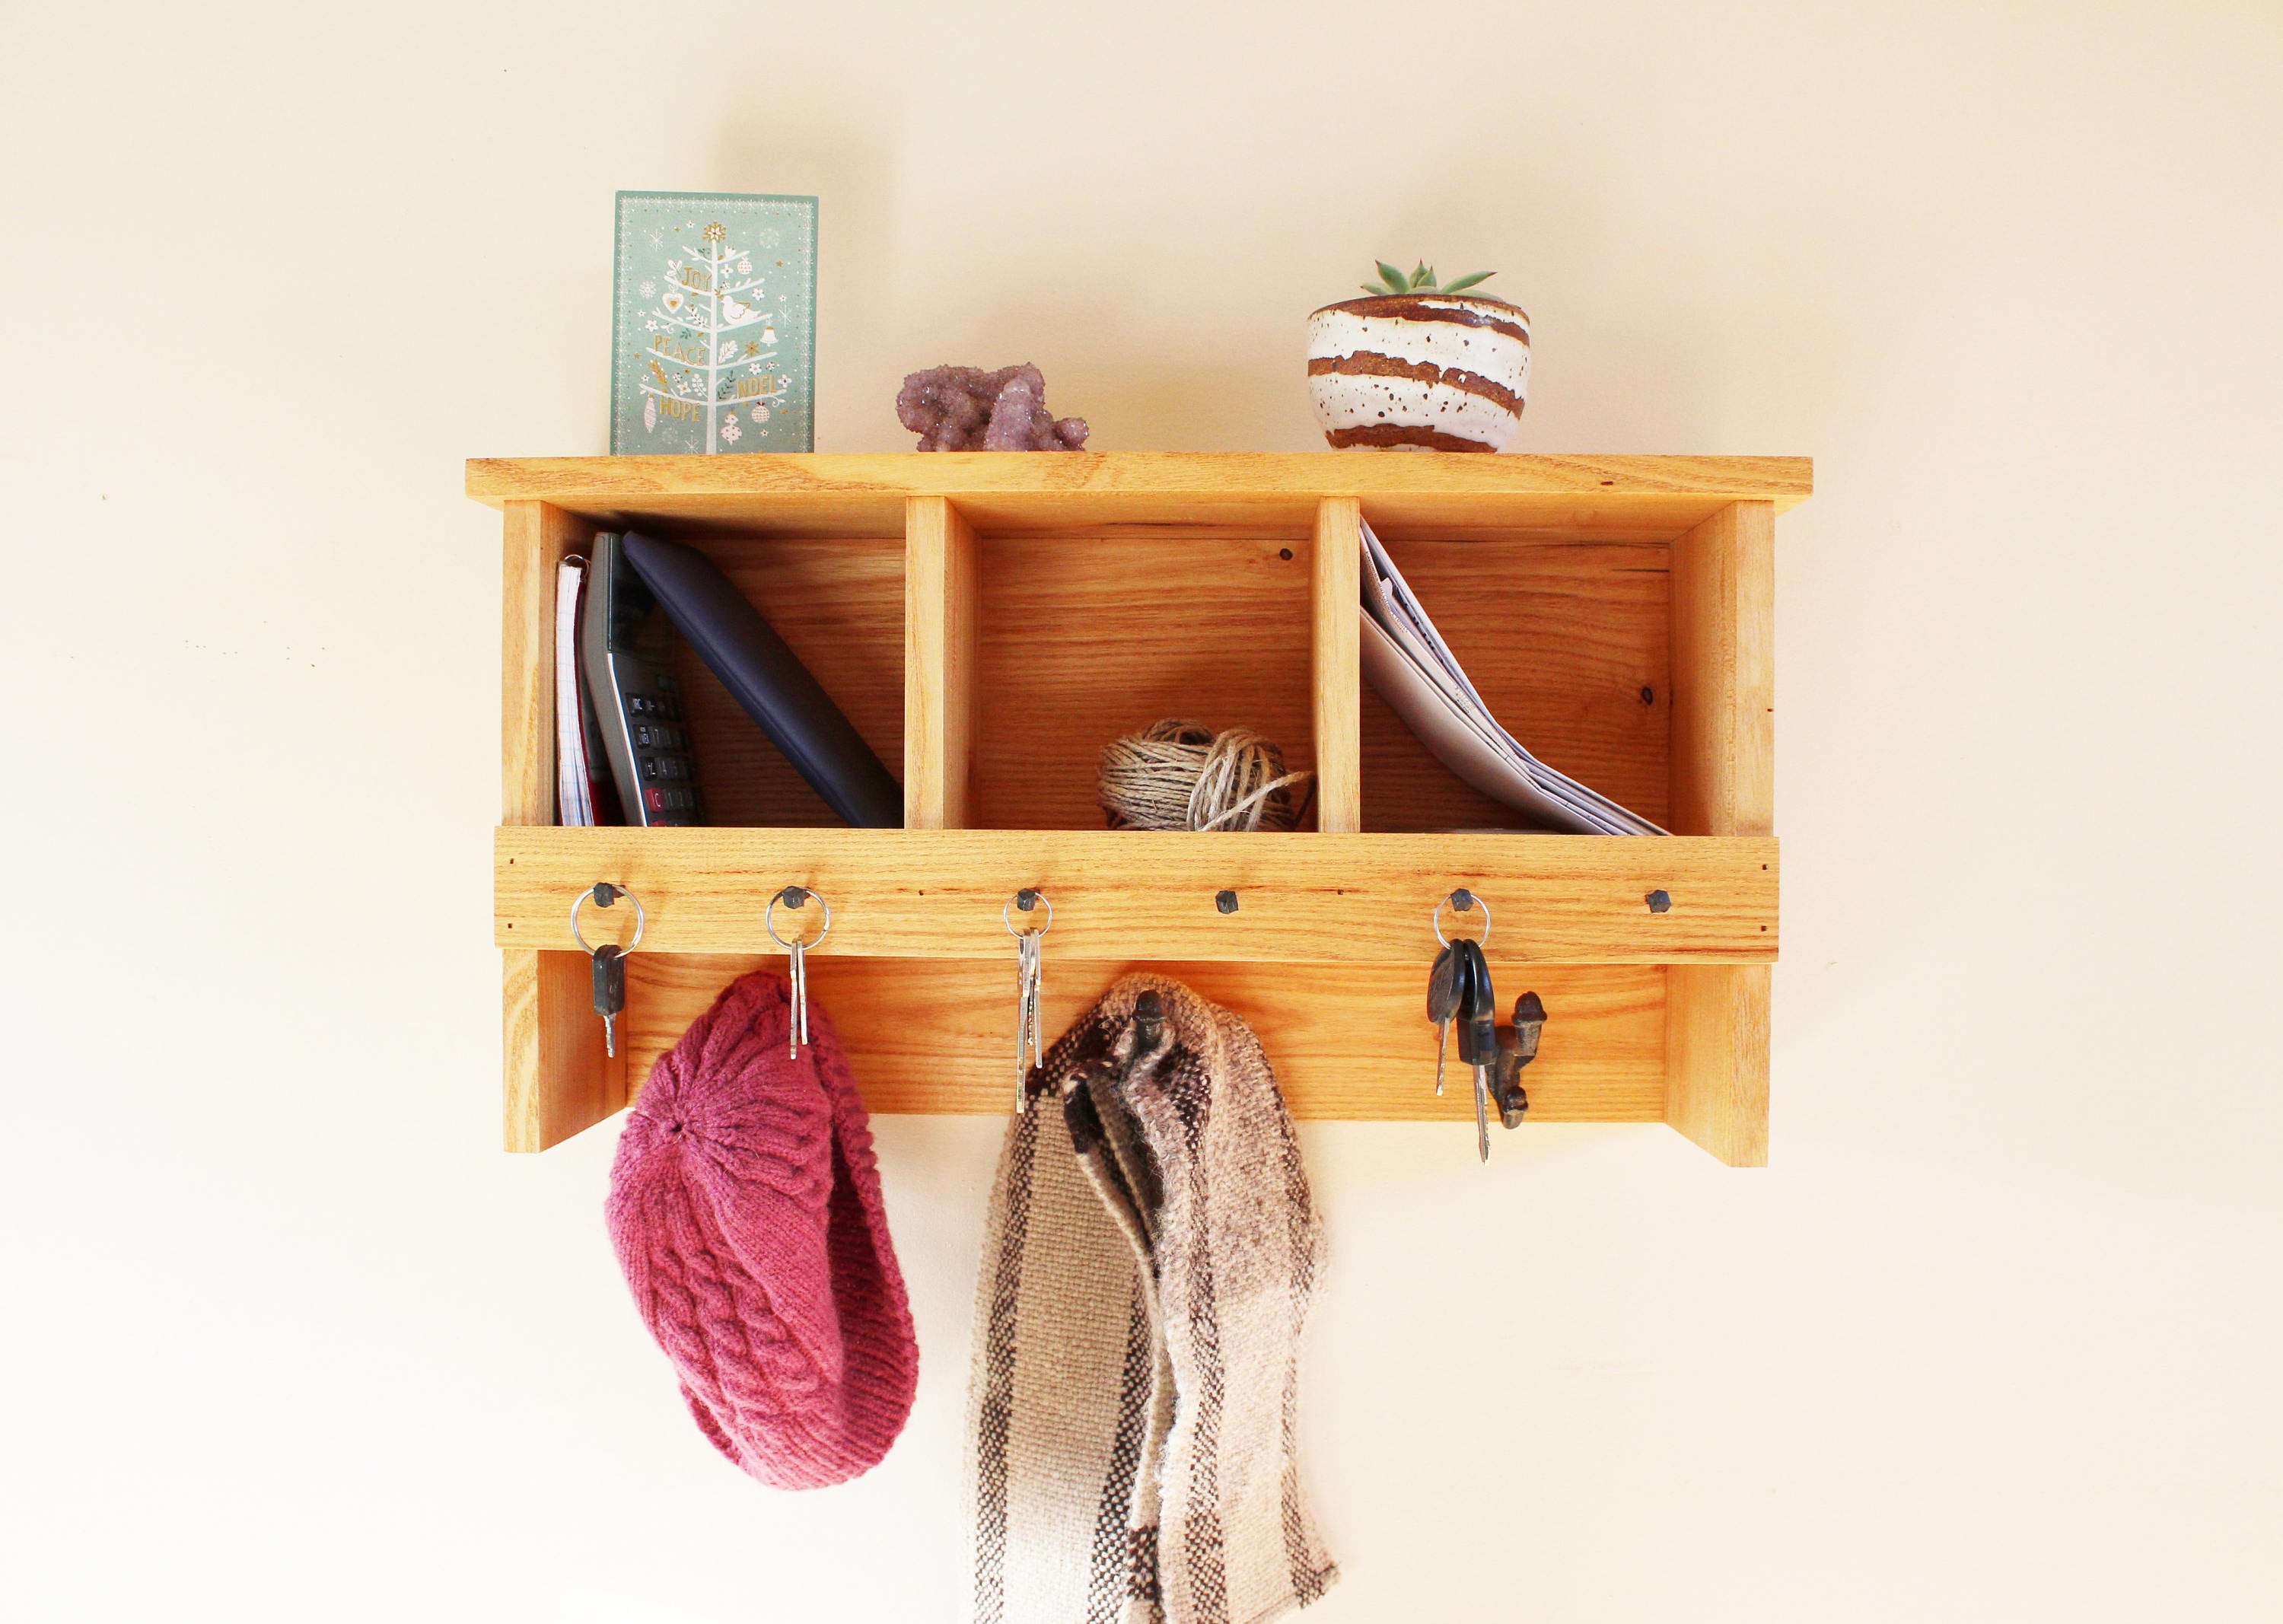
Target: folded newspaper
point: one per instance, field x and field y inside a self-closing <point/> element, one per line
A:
<point x="1407" y="662"/>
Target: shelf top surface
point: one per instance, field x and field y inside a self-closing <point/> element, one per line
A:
<point x="865" y="492"/>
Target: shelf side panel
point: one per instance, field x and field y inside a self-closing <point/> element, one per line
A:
<point x="1724" y="674"/>
<point x="1723" y="784"/>
<point x="1337" y="667"/>
<point x="555" y="1078"/>
<point x="940" y="613"/>
<point x="1716" y="1058"/>
<point x="538" y="538"/>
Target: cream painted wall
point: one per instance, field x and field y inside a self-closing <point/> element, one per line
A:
<point x="1994" y="1339"/>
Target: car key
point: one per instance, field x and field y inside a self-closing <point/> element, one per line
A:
<point x="1442" y="1006"/>
<point x="1478" y="1032"/>
<point x="610" y="993"/>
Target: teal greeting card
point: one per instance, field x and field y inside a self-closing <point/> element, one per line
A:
<point x="714" y="331"/>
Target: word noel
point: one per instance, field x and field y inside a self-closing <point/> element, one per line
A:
<point x="698" y="371"/>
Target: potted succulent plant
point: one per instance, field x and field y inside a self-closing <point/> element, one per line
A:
<point x="1421" y="367"/>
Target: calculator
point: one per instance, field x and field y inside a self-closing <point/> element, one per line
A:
<point x="625" y="647"/>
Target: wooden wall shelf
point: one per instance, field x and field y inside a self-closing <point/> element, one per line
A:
<point x="989" y="621"/>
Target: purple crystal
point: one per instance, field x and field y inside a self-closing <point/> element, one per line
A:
<point x="966" y="409"/>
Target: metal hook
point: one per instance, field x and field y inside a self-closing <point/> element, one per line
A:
<point x="1026" y="899"/>
<point x="1462" y="900"/>
<point x="595" y="897"/>
<point x="793" y="896"/>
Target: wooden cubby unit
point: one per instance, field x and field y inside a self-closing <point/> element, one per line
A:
<point x="989" y="621"/>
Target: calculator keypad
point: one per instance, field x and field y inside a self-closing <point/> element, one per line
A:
<point x="662" y="760"/>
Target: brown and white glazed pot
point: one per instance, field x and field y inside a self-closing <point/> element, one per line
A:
<point x="1420" y="372"/>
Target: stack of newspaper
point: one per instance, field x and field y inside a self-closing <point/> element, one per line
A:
<point x="1411" y="668"/>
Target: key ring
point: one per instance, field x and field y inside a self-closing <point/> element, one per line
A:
<point x="588" y="897"/>
<point x="1449" y="903"/>
<point x="1036" y="895"/>
<point x="769" y="917"/>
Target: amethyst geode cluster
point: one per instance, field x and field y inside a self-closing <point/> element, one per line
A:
<point x="966" y="409"/>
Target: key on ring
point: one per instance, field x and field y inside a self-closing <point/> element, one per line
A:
<point x="609" y="960"/>
<point x="610" y="993"/>
<point x="797" y="1028"/>
<point x="1030" y="979"/>
<point x="797" y="952"/>
<point x="1442" y="1007"/>
<point x="1477" y="1032"/>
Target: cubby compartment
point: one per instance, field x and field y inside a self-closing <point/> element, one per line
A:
<point x="1567" y="640"/>
<point x="1083" y="637"/>
<point x="838" y="602"/>
<point x="990" y="622"/>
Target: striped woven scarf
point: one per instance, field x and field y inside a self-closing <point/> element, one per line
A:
<point x="1147" y="1271"/>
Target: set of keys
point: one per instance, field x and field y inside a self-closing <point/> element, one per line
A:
<point x="798" y="950"/>
<point x="1030" y="985"/>
<point x="610" y="959"/>
<point x="1459" y="994"/>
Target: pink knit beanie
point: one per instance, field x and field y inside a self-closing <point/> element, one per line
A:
<point x="745" y="1208"/>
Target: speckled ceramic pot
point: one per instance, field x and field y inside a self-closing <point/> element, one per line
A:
<point x="1420" y="372"/>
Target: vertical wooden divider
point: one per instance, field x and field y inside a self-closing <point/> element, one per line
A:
<point x="940" y="629"/>
<point x="1339" y="668"/>
<point x="1717" y="1016"/>
<point x="557" y="1079"/>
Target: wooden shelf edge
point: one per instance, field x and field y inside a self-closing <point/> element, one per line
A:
<point x="1302" y="898"/>
<point x="628" y="481"/>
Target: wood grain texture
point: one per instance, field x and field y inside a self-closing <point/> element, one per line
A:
<point x="838" y="602"/>
<point x="1616" y="611"/>
<point x="1654" y="497"/>
<point x="557" y="1079"/>
<point x="1716" y="1025"/>
<point x="1083" y="638"/>
<point x="1347" y="1041"/>
<point x="1724" y="674"/>
<point x="1724" y="784"/>
<point x="1302" y="898"/>
<point x="1567" y="645"/>
<point x="538" y="538"/>
<point x="941" y="612"/>
<point x="1338" y="673"/>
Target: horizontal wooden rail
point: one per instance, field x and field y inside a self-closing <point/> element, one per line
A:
<point x="1301" y="898"/>
<point x="864" y="493"/>
<point x="1349" y="1042"/>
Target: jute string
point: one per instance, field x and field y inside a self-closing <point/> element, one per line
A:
<point x="1182" y="775"/>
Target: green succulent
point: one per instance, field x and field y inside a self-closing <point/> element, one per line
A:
<point x="1422" y="281"/>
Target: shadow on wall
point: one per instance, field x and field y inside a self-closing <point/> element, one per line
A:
<point x="1220" y="364"/>
<point x="1148" y="368"/>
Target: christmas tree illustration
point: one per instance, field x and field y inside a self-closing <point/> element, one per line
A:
<point x="698" y="369"/>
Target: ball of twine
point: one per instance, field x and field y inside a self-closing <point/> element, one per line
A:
<point x="1182" y="775"/>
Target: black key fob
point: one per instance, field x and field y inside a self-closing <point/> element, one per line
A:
<point x="1477" y="1006"/>
<point x="610" y="979"/>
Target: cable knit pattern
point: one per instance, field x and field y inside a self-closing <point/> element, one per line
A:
<point x="745" y="1208"/>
